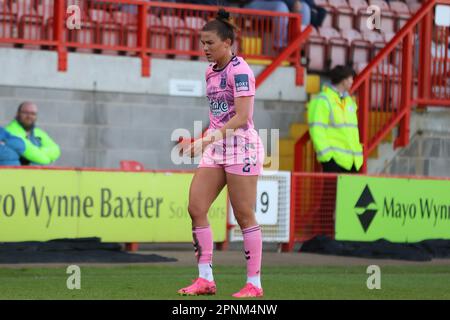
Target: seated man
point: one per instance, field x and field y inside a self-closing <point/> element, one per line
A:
<point x="40" y="149"/>
<point x="11" y="148"/>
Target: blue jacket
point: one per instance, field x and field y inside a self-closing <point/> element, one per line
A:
<point x="11" y="148"/>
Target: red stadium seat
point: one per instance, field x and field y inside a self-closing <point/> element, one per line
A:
<point x="99" y="15"/>
<point x="337" y="47"/>
<point x="23" y="7"/>
<point x="130" y="36"/>
<point x="124" y="18"/>
<point x="399" y="7"/>
<point x="360" y="49"/>
<point x="172" y="22"/>
<point x="109" y="33"/>
<point x="131" y="165"/>
<point x="328" y="22"/>
<point x="128" y="25"/>
<point x="31" y="24"/>
<point x="344" y="17"/>
<point x="376" y="39"/>
<point x="316" y="49"/>
<point x="357" y="5"/>
<point x="182" y="38"/>
<point x="360" y="10"/>
<point x="31" y="28"/>
<point x="7" y="27"/>
<point x="414" y="7"/>
<point x="387" y="16"/>
<point x="153" y="20"/>
<point x="338" y="3"/>
<point x="195" y="24"/>
<point x="159" y="39"/>
<point x="86" y="35"/>
<point x="49" y="30"/>
<point x="46" y="12"/>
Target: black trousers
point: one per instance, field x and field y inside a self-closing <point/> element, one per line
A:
<point x="332" y="166"/>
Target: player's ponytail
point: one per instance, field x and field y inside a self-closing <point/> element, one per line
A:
<point x="223" y="25"/>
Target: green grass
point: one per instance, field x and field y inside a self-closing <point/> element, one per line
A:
<point x="162" y="282"/>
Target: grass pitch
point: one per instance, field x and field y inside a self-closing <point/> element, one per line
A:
<point x="162" y="282"/>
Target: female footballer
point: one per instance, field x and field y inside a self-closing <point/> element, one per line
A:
<point x="232" y="154"/>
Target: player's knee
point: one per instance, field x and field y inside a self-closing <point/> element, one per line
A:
<point x="196" y="211"/>
<point x="245" y="218"/>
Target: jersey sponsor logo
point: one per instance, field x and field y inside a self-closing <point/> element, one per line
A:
<point x="241" y="82"/>
<point x="217" y="108"/>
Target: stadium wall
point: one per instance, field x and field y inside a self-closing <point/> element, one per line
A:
<point x="37" y="68"/>
<point x="102" y="111"/>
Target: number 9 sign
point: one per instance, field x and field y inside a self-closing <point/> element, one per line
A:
<point x="266" y="203"/>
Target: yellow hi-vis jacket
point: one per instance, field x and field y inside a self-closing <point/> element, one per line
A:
<point x="333" y="127"/>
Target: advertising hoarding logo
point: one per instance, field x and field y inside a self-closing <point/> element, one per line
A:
<point x="366" y="208"/>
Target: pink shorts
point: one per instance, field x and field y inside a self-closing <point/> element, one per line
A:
<point x="241" y="154"/>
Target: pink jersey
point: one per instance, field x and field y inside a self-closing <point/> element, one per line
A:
<point x="242" y="152"/>
<point x="235" y="80"/>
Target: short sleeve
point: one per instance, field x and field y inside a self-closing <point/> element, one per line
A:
<point x="243" y="81"/>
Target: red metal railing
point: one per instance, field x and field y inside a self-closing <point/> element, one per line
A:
<point x="405" y="73"/>
<point x="313" y="200"/>
<point x="147" y="29"/>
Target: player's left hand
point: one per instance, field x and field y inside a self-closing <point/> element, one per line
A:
<point x="197" y="147"/>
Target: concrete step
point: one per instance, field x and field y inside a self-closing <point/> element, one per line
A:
<point x="287" y="146"/>
<point x="297" y="130"/>
<point x="286" y="163"/>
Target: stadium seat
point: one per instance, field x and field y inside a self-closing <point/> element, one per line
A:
<point x="328" y="22"/>
<point x="86" y="35"/>
<point x="414" y="7"/>
<point x="402" y="12"/>
<point x="158" y="35"/>
<point x="45" y="11"/>
<point x="376" y="39"/>
<point x="109" y="32"/>
<point x="358" y="5"/>
<point x="131" y="165"/>
<point x="336" y="47"/>
<point x="360" y="49"/>
<point x="385" y="88"/>
<point x="338" y="3"/>
<point x="361" y="15"/>
<point x="128" y="24"/>
<point x="130" y="36"/>
<point x="182" y="38"/>
<point x="195" y="24"/>
<point x="387" y="16"/>
<point x="124" y="18"/>
<point x="316" y="51"/>
<point x="31" y="28"/>
<point x="30" y="24"/>
<point x="343" y="14"/>
<point x="49" y="30"/>
<point x="7" y="27"/>
<point x="22" y="7"/>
